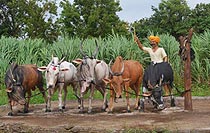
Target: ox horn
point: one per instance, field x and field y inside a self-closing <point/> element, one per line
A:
<point x="51" y="59"/>
<point x="110" y="70"/>
<point x="81" y="51"/>
<point x="150" y="85"/>
<point x="61" y="60"/>
<point x="161" y="80"/>
<point x="96" y="50"/>
<point x="12" y="68"/>
<point x="116" y="73"/>
<point x="122" y="70"/>
<point x="13" y="79"/>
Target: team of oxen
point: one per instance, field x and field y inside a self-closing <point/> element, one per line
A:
<point x="91" y="74"/>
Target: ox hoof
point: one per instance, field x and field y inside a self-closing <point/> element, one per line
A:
<point x="10" y="114"/>
<point x="20" y="111"/>
<point x="90" y="112"/>
<point x="106" y="106"/>
<point x="25" y="111"/>
<point x="110" y="112"/>
<point x="173" y="103"/>
<point x="129" y="111"/>
<point x="104" y="110"/>
<point x="141" y="106"/>
<point x="81" y="111"/>
<point x="61" y="110"/>
<point x="63" y="107"/>
<point x="141" y="110"/>
<point x="48" y="110"/>
<point x="136" y="108"/>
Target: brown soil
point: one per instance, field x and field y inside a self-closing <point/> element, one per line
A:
<point x="173" y="119"/>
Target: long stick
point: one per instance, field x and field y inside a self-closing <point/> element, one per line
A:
<point x="187" y="75"/>
<point x="134" y="31"/>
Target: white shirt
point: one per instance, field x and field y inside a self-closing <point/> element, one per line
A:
<point x="156" y="56"/>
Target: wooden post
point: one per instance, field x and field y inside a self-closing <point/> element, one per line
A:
<point x="187" y="74"/>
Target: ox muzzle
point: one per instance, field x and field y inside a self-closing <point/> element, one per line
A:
<point x="157" y="94"/>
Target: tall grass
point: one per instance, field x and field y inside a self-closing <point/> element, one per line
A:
<point x="39" y="52"/>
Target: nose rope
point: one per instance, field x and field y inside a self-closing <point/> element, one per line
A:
<point x="180" y="93"/>
<point x="38" y="93"/>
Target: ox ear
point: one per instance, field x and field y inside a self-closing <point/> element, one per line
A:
<point x="126" y="80"/>
<point x="106" y="80"/>
<point x="43" y="68"/>
<point x="9" y="90"/>
<point x="77" y="61"/>
<point x="98" y="61"/>
<point x="64" y="69"/>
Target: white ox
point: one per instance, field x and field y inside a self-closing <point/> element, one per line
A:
<point x="59" y="74"/>
<point x="90" y="74"/>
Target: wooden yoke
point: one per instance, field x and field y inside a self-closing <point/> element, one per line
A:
<point x="185" y="55"/>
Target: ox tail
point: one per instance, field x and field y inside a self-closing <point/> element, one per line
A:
<point x="78" y="98"/>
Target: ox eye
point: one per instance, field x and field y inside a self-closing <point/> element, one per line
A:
<point x="9" y="90"/>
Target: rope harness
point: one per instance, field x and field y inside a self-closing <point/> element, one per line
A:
<point x="38" y="93"/>
<point x="180" y="93"/>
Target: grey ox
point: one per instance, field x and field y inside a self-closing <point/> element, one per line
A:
<point x="90" y="74"/>
<point x="59" y="74"/>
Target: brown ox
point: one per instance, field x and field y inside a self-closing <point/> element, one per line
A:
<point x="125" y="74"/>
<point x="20" y="80"/>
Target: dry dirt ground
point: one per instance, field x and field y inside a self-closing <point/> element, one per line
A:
<point x="171" y="119"/>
